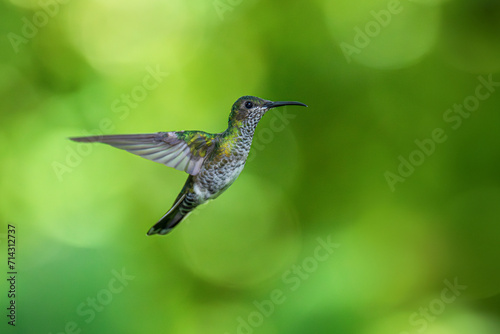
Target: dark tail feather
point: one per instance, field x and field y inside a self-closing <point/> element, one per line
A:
<point x="173" y="217"/>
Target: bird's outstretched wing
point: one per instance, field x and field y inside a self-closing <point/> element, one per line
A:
<point x="182" y="150"/>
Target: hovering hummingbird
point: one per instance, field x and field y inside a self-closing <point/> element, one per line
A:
<point x="212" y="160"/>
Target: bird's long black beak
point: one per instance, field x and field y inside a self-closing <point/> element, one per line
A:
<point x="272" y="104"/>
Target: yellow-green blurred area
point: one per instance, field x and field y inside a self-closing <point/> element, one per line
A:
<point x="375" y="210"/>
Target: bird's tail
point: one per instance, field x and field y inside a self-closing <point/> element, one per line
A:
<point x="173" y="217"/>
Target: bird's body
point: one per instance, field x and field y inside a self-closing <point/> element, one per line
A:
<point x="214" y="161"/>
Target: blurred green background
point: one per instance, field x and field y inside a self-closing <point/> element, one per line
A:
<point x="394" y="166"/>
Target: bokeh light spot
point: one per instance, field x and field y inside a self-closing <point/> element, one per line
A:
<point x="248" y="235"/>
<point x="383" y="34"/>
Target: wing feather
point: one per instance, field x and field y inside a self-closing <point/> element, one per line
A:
<point x="182" y="150"/>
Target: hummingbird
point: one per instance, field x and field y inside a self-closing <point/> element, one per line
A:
<point x="212" y="160"/>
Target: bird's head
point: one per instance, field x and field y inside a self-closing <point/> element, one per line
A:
<point x="252" y="107"/>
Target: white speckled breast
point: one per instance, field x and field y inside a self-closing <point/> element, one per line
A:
<point x="218" y="174"/>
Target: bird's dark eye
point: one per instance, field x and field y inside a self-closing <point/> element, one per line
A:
<point x="248" y="105"/>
